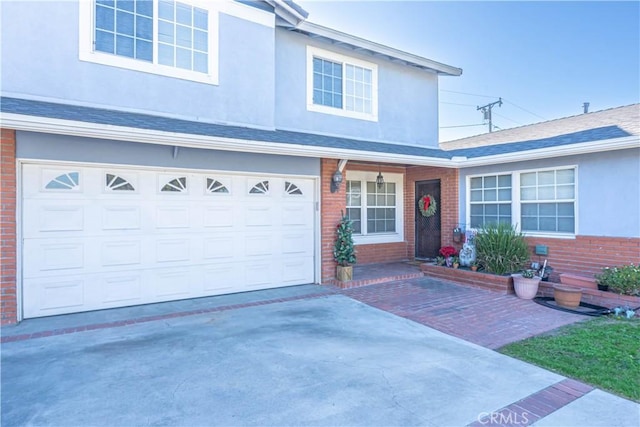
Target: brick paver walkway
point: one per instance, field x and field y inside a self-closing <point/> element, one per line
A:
<point x="487" y="318"/>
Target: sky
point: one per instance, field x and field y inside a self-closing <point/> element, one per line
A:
<point x="544" y="59"/>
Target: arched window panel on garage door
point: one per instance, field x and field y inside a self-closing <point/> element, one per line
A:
<point x="214" y="186"/>
<point x="173" y="184"/>
<point x="261" y="187"/>
<point x="292" y="189"/>
<point x="115" y="182"/>
<point x="61" y="181"/>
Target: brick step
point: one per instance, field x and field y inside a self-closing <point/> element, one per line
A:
<point x="373" y="281"/>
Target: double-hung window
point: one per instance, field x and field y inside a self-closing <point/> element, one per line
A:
<point x="341" y="85"/>
<point x="490" y="200"/>
<point x="375" y="210"/>
<point x="536" y="202"/>
<point x="168" y="37"/>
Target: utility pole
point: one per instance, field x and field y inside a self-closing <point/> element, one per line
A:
<point x="486" y="111"/>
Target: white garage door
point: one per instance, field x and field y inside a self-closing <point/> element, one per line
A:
<point x="101" y="237"/>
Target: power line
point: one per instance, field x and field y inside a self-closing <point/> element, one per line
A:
<point x="455" y="103"/>
<point x="461" y="126"/>
<point x="511" y="120"/>
<point x="525" y="110"/>
<point x="466" y="93"/>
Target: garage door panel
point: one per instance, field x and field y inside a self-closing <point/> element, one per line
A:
<point x="119" y="217"/>
<point x="297" y="270"/>
<point x="218" y="216"/>
<point x="121" y="253"/>
<point x="220" y="247"/>
<point x="172" y="217"/>
<point x="110" y="236"/>
<point x="172" y="250"/>
<point x="170" y="283"/>
<point x="50" y="297"/>
<point x="119" y="289"/>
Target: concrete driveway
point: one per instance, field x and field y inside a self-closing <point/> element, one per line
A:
<point x="323" y="360"/>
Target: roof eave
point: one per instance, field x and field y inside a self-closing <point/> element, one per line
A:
<point x="289" y="14"/>
<point x="29" y="123"/>
<point x="612" y="144"/>
<point x="340" y="38"/>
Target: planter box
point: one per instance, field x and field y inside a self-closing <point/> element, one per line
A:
<point x="463" y="276"/>
<point x="578" y="281"/>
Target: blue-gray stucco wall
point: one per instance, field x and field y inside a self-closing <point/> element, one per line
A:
<point x="608" y="190"/>
<point x="407" y="97"/>
<point x="31" y="145"/>
<point x="40" y="59"/>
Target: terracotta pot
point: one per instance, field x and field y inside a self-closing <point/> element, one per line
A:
<point x="474" y="268"/>
<point x="525" y="288"/>
<point x="456" y="265"/>
<point x="567" y="296"/>
<point x="344" y="273"/>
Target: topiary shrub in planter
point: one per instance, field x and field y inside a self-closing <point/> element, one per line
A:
<point x="500" y="249"/>
<point x="623" y="280"/>
<point x="343" y="251"/>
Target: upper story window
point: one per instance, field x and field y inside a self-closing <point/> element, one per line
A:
<point x="340" y="85"/>
<point x="167" y="37"/>
<point x="537" y="202"/>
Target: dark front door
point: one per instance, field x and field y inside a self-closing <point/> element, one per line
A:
<point x="427" y="228"/>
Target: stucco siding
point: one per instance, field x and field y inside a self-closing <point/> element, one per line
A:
<point x="51" y="69"/>
<point x="607" y="186"/>
<point x="69" y="148"/>
<point x="407" y="97"/>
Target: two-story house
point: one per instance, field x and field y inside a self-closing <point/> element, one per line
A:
<point x="156" y="150"/>
<point x="160" y="150"/>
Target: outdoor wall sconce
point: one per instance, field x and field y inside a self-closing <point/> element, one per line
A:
<point x="457" y="235"/>
<point x="379" y="179"/>
<point x="336" y="178"/>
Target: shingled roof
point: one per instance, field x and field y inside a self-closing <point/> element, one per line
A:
<point x="604" y="124"/>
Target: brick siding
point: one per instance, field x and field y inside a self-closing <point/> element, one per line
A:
<point x="586" y="255"/>
<point x="8" y="297"/>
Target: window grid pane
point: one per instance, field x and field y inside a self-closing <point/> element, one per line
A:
<point x="124" y="28"/>
<point x="359" y="91"/>
<point x="354" y="205"/>
<point x="327" y="83"/>
<point x="548" y="201"/>
<point x="183" y="36"/>
<point x="490" y="200"/>
<point x="381" y="213"/>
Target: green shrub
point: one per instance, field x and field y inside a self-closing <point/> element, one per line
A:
<point x="500" y="249"/>
<point x="343" y="251"/>
<point x="624" y="280"/>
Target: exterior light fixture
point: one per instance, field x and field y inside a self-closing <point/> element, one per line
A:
<point x="336" y="180"/>
<point x="379" y="179"/>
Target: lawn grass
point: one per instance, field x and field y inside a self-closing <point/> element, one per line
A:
<point x="603" y="352"/>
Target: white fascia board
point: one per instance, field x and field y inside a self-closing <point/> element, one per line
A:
<point x="410" y="58"/>
<point x="613" y="144"/>
<point x="121" y="133"/>
<point x="286" y="12"/>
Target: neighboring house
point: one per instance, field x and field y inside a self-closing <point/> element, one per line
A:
<point x="189" y="149"/>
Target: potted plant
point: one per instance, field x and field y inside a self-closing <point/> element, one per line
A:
<point x="344" y="252"/>
<point x="448" y="252"/>
<point x="526" y="284"/>
<point x="440" y="260"/>
<point x="474" y="266"/>
<point x="455" y="262"/>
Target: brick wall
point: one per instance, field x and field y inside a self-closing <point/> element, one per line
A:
<point x="586" y="255"/>
<point x="448" y="206"/>
<point x="333" y="203"/>
<point x="8" y="302"/>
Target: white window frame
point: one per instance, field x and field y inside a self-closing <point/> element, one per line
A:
<point x="87" y="52"/>
<point x="314" y="52"/>
<point x="516" y="201"/>
<point x="391" y="237"/>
